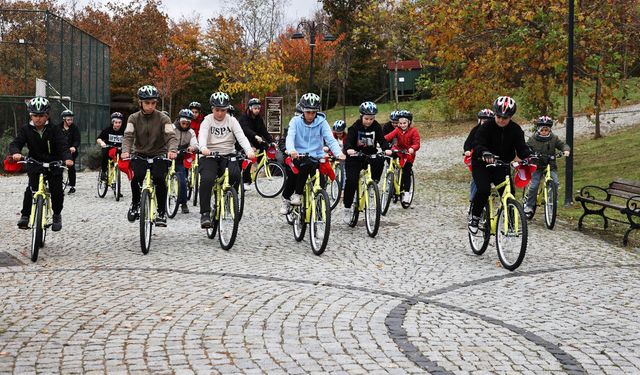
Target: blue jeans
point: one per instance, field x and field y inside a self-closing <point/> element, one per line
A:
<point x="535" y="183"/>
<point x="181" y="172"/>
<point x="472" y="189"/>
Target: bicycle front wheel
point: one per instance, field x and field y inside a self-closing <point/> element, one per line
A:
<point x="172" y="196"/>
<point x="511" y="234"/>
<point x="37" y="229"/>
<point x="372" y="209"/>
<point x="320" y="222"/>
<point x="406" y="202"/>
<point x="228" y="225"/>
<point x="118" y="185"/>
<point x="102" y="186"/>
<point x="270" y="183"/>
<point x="299" y="224"/>
<point x="480" y="241"/>
<point x="387" y="193"/>
<point x="146" y="225"/>
<point x="551" y="205"/>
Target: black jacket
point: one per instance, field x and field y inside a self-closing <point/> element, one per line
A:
<point x="505" y="142"/>
<point x="50" y="146"/>
<point x="254" y="126"/>
<point x="72" y="135"/>
<point x="470" y="141"/>
<point x="112" y="137"/>
<point x="365" y="140"/>
<point x="387" y="128"/>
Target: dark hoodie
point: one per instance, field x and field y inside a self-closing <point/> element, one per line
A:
<point x="51" y="145"/>
<point x="252" y="126"/>
<point x="72" y="135"/>
<point x="364" y="139"/>
<point x="505" y="142"/>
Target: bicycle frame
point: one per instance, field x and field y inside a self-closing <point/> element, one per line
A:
<point x="48" y="214"/>
<point x="506" y="194"/>
<point x="193" y="172"/>
<point x="394" y="167"/>
<point x="363" y="181"/>
<point x="111" y="168"/>
<point x="221" y="185"/>
<point x="310" y="189"/>
<point x="148" y="185"/>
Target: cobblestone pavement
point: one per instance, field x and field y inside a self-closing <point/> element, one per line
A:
<point x="413" y="300"/>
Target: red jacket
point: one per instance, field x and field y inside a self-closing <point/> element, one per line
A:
<point x="407" y="139"/>
<point x="195" y="123"/>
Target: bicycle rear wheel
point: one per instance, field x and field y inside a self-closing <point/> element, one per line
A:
<point x="355" y="209"/>
<point x="146" y="225"/>
<point x="511" y="237"/>
<point x="102" y="186"/>
<point x="228" y="225"/>
<point x="411" y="191"/>
<point x="118" y="185"/>
<point x="387" y="192"/>
<point x="480" y="241"/>
<point x="372" y="209"/>
<point x="37" y="229"/>
<point x="299" y="224"/>
<point x="65" y="180"/>
<point x="172" y="195"/>
<point x="272" y="184"/>
<point x="320" y="223"/>
<point x="335" y="190"/>
<point x="551" y="205"/>
<point x="213" y="228"/>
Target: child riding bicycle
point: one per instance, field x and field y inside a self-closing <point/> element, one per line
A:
<point x="407" y="139"/>
<point x="469" y="143"/>
<point x="108" y="138"/>
<point x="46" y="143"/>
<point x="186" y="142"/>
<point x="544" y="143"/>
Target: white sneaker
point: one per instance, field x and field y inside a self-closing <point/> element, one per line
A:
<point x="528" y="212"/>
<point x="347" y="213"/>
<point x="295" y="199"/>
<point x="406" y="197"/>
<point x="286" y="207"/>
<point x="246" y="186"/>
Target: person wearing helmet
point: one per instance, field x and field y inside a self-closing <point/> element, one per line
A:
<point x="544" y="143"/>
<point x="109" y="137"/>
<point x="340" y="131"/>
<point x="364" y="136"/>
<point x="188" y="142"/>
<point x="483" y="116"/>
<point x="256" y="132"/>
<point x="307" y="135"/>
<point x="390" y="125"/>
<point x="407" y="139"/>
<point x="219" y="133"/>
<point x="72" y="134"/>
<point x="498" y="137"/>
<point x="150" y="133"/>
<point x="46" y="143"/>
<point x="198" y="116"/>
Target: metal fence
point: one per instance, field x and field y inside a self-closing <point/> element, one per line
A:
<point x="75" y="65"/>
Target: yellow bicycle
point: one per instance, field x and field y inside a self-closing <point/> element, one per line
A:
<point x="547" y="192"/>
<point x="41" y="217"/>
<point x="113" y="178"/>
<point x="367" y="198"/>
<point x="193" y="180"/>
<point x="314" y="210"/>
<point x="502" y="216"/>
<point x="391" y="185"/>
<point x="268" y="174"/>
<point x="224" y="208"/>
<point x="337" y="185"/>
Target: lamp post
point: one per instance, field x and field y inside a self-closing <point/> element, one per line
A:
<point x="568" y="194"/>
<point x="24" y="44"/>
<point x="312" y="28"/>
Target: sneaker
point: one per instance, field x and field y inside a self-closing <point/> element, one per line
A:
<point x="286" y="207"/>
<point x="246" y="186"/>
<point x="473" y="224"/>
<point x="406" y="197"/>
<point x="185" y="208"/>
<point x="57" y="222"/>
<point x="23" y="223"/>
<point x="347" y="214"/>
<point x="133" y="214"/>
<point x="205" y="221"/>
<point x="71" y="190"/>
<point x="295" y="199"/>
<point x="528" y="212"/>
<point x="161" y="219"/>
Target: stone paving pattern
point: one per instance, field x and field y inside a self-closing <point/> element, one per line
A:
<point x="414" y="299"/>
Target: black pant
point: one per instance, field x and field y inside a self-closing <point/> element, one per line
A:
<point x="72" y="170"/>
<point x="406" y="176"/>
<point x="353" y="166"/>
<point x="483" y="178"/>
<point x="54" y="177"/>
<point x="159" y="169"/>
<point x="210" y="169"/>
<point x="295" y="182"/>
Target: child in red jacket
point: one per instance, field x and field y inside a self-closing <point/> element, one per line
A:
<point x="408" y="139"/>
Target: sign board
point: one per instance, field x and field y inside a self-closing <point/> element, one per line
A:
<point x="400" y="79"/>
<point x="273" y="114"/>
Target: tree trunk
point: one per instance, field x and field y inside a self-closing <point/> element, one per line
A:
<point x="597" y="106"/>
<point x="328" y="95"/>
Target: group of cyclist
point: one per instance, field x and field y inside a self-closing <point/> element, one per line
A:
<point x="497" y="137"/>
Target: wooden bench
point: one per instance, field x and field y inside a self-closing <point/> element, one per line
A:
<point x="621" y="195"/>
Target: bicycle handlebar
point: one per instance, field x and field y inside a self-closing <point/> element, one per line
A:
<point x="49" y="164"/>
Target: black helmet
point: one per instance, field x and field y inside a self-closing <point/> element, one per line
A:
<point x="310" y="102"/>
<point x="393" y="116"/>
<point x="405" y="114"/>
<point x="544" y="121"/>
<point x="504" y="106"/>
<point x="66" y="113"/>
<point x="38" y="105"/>
<point x="185" y="113"/>
<point x="219" y="100"/>
<point x="339" y="126"/>
<point x="252" y="102"/>
<point x="117" y="115"/>
<point x="368" y="108"/>
<point x="148" y="92"/>
<point x="195" y="105"/>
<point x="485" y="114"/>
